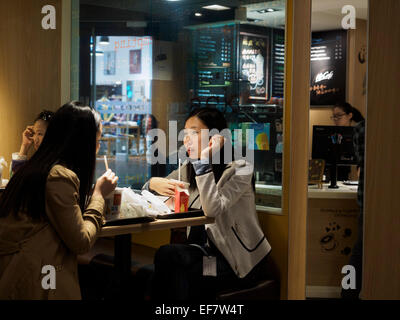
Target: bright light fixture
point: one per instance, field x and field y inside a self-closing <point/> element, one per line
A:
<point x="198" y="14"/>
<point x="266" y="10"/>
<point x="216" y="7"/>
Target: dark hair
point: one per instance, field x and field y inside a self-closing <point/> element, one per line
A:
<point x="212" y="119"/>
<point x="70" y="140"/>
<point x="348" y="108"/>
<point x="45" y="116"/>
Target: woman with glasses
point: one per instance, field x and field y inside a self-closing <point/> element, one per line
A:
<point x="31" y="138"/>
<point x="345" y="114"/>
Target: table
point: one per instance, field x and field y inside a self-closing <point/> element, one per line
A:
<point x="126" y="135"/>
<point x="123" y="240"/>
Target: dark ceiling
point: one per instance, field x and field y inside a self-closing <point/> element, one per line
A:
<point x="161" y="19"/>
<point x="154" y="9"/>
<point x="163" y="7"/>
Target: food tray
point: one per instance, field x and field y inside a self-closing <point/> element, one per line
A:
<point x="127" y="221"/>
<point x="192" y="213"/>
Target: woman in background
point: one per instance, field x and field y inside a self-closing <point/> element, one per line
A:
<point x="345" y="115"/>
<point x="49" y="213"/>
<point x="31" y="137"/>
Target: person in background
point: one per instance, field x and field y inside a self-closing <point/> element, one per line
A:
<point x="235" y="245"/>
<point x="50" y="212"/>
<point x="31" y="137"/>
<point x="344" y="114"/>
<point x="357" y="251"/>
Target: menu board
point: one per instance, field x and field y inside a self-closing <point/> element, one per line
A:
<point x="254" y="50"/>
<point x="278" y="63"/>
<point x="328" y="67"/>
<point x="213" y="53"/>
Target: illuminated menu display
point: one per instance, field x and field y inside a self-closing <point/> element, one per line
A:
<point x="278" y="63"/>
<point x="254" y="51"/>
<point x="328" y="67"/>
<point x="213" y="52"/>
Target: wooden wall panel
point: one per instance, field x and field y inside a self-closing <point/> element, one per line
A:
<point x="65" y="90"/>
<point x="381" y="272"/>
<point x="298" y="104"/>
<point x="275" y="228"/>
<point x="30" y="62"/>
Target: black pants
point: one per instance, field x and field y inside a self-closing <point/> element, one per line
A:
<point x="178" y="274"/>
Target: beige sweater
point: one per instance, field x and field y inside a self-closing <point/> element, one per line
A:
<point x="26" y="247"/>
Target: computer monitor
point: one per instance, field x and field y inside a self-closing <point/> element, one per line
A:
<point x="334" y="144"/>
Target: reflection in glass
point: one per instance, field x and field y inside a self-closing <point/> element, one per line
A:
<point x="177" y="56"/>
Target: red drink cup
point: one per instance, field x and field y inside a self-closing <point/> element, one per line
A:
<point x="181" y="200"/>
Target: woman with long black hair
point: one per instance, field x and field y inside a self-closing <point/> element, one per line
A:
<point x="344" y="114"/>
<point x="48" y="212"/>
<point x="228" y="253"/>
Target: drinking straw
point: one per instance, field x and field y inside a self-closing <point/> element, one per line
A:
<point x="105" y="161"/>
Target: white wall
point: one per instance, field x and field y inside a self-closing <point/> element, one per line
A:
<point x="122" y="46"/>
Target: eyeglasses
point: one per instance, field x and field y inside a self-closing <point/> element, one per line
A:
<point x="337" y="116"/>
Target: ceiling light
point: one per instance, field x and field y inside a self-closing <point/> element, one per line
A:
<point x="266" y="10"/>
<point x="198" y="14"/>
<point x="216" y="7"/>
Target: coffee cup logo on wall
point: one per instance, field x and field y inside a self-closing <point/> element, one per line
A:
<point x="327" y="75"/>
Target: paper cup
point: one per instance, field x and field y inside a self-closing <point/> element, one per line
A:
<point x="113" y="204"/>
<point x="181" y="197"/>
<point x="181" y="200"/>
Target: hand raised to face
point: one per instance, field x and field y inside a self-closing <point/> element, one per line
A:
<point x="214" y="145"/>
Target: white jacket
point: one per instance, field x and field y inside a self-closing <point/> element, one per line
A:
<point x="236" y="232"/>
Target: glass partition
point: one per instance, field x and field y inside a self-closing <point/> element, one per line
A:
<point x="146" y="64"/>
<point x="336" y="146"/>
